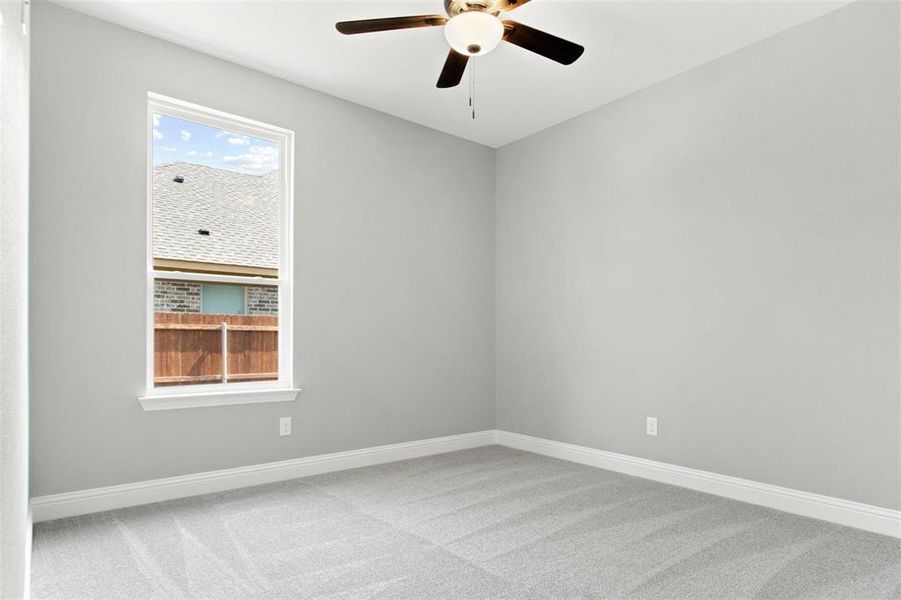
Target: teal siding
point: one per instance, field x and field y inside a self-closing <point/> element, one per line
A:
<point x="222" y="299"/>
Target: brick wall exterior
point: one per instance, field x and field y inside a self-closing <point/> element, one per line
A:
<point x="176" y="296"/>
<point x="184" y="297"/>
<point x="262" y="300"/>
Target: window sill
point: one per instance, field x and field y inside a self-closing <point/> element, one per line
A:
<point x="201" y="399"/>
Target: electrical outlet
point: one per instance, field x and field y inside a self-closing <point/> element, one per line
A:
<point x="284" y="426"/>
<point x="652" y="426"/>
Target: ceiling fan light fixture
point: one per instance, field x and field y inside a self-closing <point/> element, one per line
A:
<point x="474" y="32"/>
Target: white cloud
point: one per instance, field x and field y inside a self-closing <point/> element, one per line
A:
<point x="236" y="139"/>
<point x="157" y="134"/>
<point x="192" y="153"/>
<point x="167" y="148"/>
<point x="185" y="135"/>
<point x="156" y="120"/>
<point x="208" y="153"/>
<point x="257" y="158"/>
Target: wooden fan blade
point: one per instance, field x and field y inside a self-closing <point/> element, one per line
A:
<point x="453" y="69"/>
<point x="389" y="24"/>
<point x="508" y="5"/>
<point x="539" y="42"/>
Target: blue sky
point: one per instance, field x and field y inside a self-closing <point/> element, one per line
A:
<point x="177" y="140"/>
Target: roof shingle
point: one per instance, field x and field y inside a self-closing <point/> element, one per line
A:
<point x="241" y="212"/>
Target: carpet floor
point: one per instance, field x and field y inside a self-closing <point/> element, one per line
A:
<point x="490" y="522"/>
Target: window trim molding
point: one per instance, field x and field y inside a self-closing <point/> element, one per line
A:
<point x="217" y="278"/>
<point x="187" y="396"/>
<point x="156" y="402"/>
<point x="168" y="264"/>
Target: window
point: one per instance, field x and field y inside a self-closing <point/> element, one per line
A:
<point x="219" y="272"/>
<point x="223" y="299"/>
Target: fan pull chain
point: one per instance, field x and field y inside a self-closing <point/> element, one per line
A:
<point x="472" y="87"/>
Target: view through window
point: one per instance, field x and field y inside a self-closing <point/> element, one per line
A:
<point x="217" y="194"/>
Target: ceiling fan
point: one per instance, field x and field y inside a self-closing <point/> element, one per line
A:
<point x="473" y="28"/>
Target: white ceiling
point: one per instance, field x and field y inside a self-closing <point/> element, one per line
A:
<point x="629" y="45"/>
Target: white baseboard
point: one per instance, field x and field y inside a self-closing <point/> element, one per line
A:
<point x="826" y="508"/>
<point x="70" y="504"/>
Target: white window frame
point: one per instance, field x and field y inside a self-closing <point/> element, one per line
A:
<point x="189" y="396"/>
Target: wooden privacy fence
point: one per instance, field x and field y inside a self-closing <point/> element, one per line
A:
<point x="188" y="348"/>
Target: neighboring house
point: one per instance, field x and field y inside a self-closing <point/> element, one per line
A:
<point x="208" y="220"/>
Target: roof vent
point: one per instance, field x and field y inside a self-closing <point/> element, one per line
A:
<point x="203" y="231"/>
<point x="178" y="179"/>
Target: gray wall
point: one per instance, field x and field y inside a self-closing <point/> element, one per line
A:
<point x="719" y="251"/>
<point x="394" y="268"/>
<point x="14" y="523"/>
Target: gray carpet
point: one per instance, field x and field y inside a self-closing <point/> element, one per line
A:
<point x="485" y="523"/>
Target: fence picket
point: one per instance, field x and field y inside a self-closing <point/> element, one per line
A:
<point x="189" y="348"/>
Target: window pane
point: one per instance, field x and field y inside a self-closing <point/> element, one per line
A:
<point x="216" y="210"/>
<point x="215" y="200"/>
<point x="189" y="345"/>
